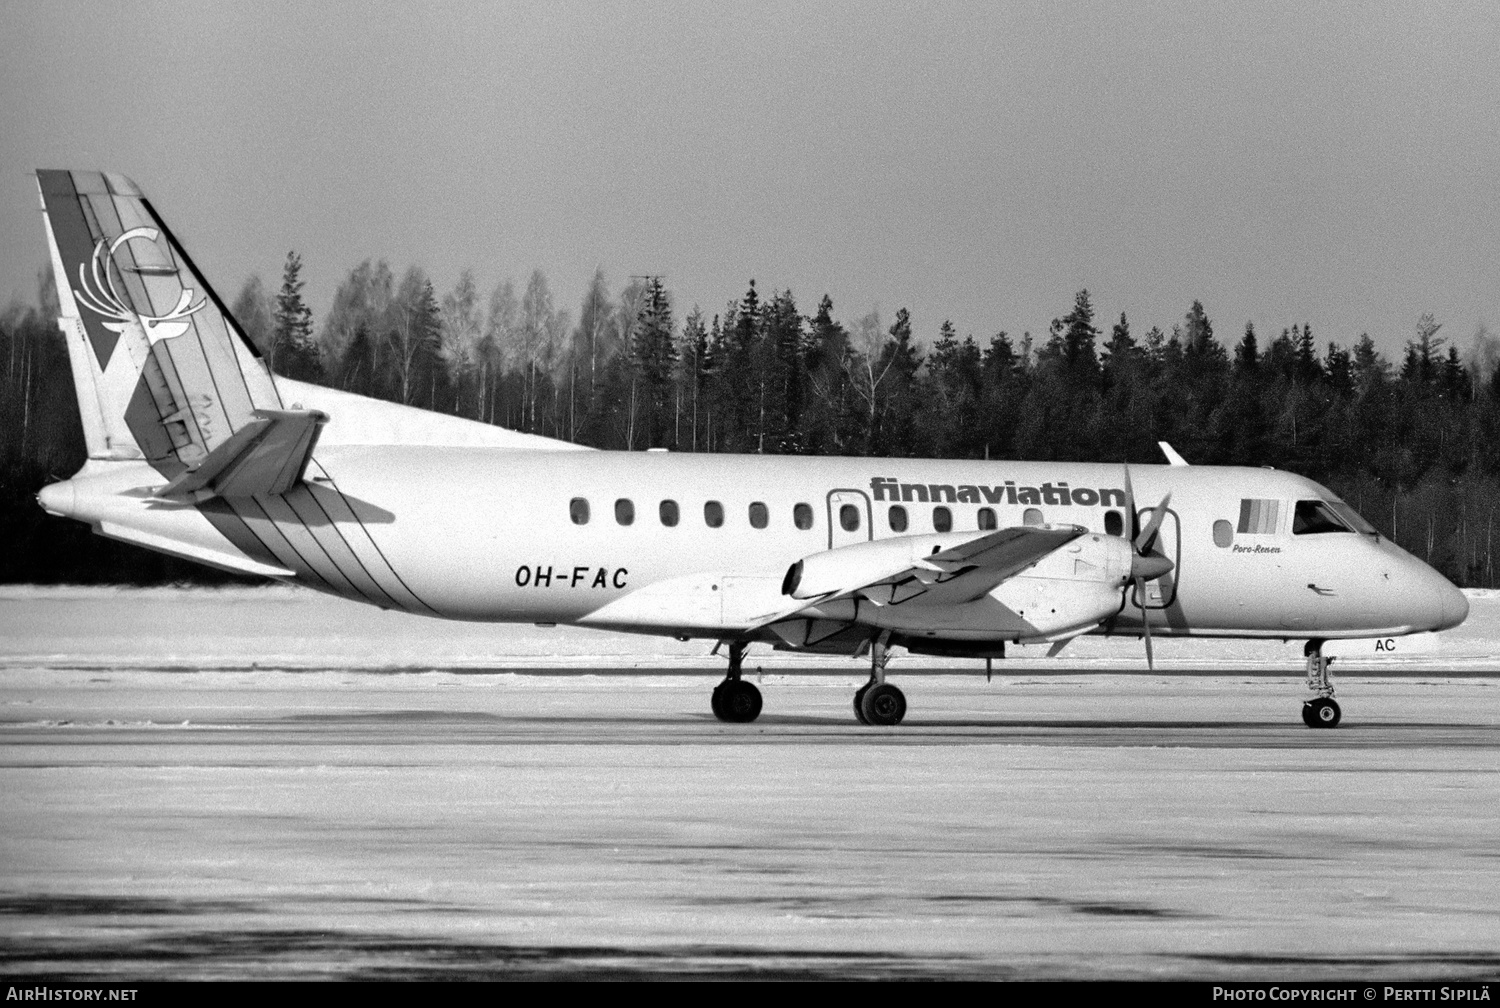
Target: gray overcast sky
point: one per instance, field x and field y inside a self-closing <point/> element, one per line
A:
<point x="1337" y="163"/>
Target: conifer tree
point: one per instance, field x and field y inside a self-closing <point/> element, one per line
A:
<point x="693" y="374"/>
<point x="1247" y="352"/>
<point x="653" y="358"/>
<point x="1079" y="357"/>
<point x="294" y="354"/>
<point x="900" y="361"/>
<point x="829" y="414"/>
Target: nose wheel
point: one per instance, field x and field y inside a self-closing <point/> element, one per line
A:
<point x="1322" y="711"/>
<point x="735" y="700"/>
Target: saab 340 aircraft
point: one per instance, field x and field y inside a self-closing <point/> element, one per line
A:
<point x="197" y="450"/>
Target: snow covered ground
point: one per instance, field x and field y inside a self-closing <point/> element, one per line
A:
<point x="274" y="784"/>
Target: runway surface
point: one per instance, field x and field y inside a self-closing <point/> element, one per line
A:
<point x="163" y="822"/>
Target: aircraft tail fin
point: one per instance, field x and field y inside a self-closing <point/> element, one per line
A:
<point x="161" y="370"/>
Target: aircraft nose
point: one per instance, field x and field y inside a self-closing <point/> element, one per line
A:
<point x="1435" y="603"/>
<point x="1455" y="606"/>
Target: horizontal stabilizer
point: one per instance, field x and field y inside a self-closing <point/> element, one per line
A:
<point x="223" y="559"/>
<point x="266" y="456"/>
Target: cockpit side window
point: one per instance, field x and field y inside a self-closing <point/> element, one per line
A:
<point x="1314" y="517"/>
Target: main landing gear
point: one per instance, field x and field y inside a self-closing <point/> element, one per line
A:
<point x="878" y="702"/>
<point x="734" y="699"/>
<point x="1322" y="711"/>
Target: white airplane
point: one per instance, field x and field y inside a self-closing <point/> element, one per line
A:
<point x="195" y="449"/>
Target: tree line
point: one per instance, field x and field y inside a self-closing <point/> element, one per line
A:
<point x="1410" y="443"/>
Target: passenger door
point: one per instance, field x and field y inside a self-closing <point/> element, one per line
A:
<point x="1162" y="592"/>
<point x="848" y="518"/>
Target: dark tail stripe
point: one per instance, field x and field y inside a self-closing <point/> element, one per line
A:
<point x="232" y="527"/>
<point x="287" y="555"/>
<point x="369" y="550"/>
<point x="303" y="500"/>
<point x="305" y="543"/>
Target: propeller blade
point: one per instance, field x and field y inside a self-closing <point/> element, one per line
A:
<point x="1140" y="587"/>
<point x="1147" y="538"/>
<point x="1130" y="504"/>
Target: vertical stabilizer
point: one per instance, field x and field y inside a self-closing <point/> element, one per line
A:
<point x="161" y="371"/>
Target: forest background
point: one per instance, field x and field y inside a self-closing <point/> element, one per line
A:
<point x="1409" y="443"/>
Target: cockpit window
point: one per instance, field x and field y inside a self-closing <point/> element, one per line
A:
<point x="1313" y="517"/>
<point x="1352" y="518"/>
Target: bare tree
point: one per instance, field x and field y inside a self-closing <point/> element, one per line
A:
<point x="362" y="299"/>
<point x="862" y="363"/>
<point x="408" y="332"/>
<point x="534" y="336"/>
<point x="460" y="336"/>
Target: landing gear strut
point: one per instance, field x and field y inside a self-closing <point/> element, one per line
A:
<point x="734" y="699"/>
<point x="1322" y="711"/>
<point x="877" y="702"/>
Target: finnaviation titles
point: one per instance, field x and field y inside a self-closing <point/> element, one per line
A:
<point x="884" y="488"/>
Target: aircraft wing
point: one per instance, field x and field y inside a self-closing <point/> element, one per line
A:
<point x="964" y="572"/>
<point x="951" y="576"/>
<point x="266" y="456"/>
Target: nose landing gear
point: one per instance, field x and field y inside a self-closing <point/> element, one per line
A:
<point x="734" y="699"/>
<point x="878" y="702"/>
<point x="1322" y="711"/>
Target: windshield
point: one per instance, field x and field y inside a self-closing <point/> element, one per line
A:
<point x="1314" y="517"/>
<point x="1352" y="518"/>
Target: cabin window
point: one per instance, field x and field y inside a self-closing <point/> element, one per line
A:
<point x="1032" y="517"/>
<point x="713" y="514"/>
<point x="1259" y="517"/>
<point x="669" y="513"/>
<point x="897" y="518"/>
<point x="1314" y="517"/>
<point x="1223" y="533"/>
<point x="760" y="517"/>
<point x="802" y="516"/>
<point x="942" y="519"/>
<point x="578" y="510"/>
<point x="625" y="511"/>
<point x="987" y="519"/>
<point x="849" y="518"/>
<point x="1114" y="523"/>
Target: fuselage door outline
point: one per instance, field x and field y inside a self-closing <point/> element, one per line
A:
<point x="1169" y="536"/>
<point x="837" y="535"/>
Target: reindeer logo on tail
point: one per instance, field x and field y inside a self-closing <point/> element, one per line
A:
<point x="103" y="297"/>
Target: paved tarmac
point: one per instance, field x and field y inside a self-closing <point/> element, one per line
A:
<point x="343" y="823"/>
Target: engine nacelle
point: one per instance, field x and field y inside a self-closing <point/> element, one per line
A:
<point x="859" y="564"/>
<point x="1074" y="587"/>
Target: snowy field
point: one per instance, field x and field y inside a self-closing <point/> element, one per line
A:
<point x="274" y="784"/>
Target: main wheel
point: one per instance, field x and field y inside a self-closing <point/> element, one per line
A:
<point x="883" y="704"/>
<point x="737" y="701"/>
<point x="716" y="701"/>
<point x="859" y="699"/>
<point x="1321" y="713"/>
